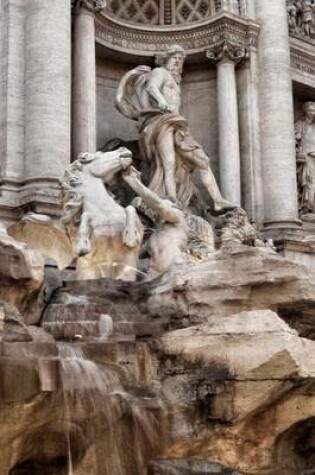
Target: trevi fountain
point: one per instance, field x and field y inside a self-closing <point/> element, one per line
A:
<point x="157" y="237"/>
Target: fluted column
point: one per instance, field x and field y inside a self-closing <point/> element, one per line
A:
<point x="276" y="116"/>
<point x="48" y="89"/>
<point x="84" y="76"/>
<point x="226" y="56"/>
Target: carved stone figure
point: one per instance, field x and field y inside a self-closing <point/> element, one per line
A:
<point x="91" y="5"/>
<point x="238" y="230"/>
<point x="301" y="17"/>
<point x="305" y="144"/>
<point x="103" y="236"/>
<point x="153" y="98"/>
<point x="292" y="18"/>
<point x="308" y="17"/>
<point x="180" y="236"/>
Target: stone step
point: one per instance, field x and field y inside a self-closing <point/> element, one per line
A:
<point x="187" y="467"/>
<point x="72" y="329"/>
<point x="91" y="311"/>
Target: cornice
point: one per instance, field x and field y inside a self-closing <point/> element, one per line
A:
<point x="302" y="56"/>
<point x="195" y="38"/>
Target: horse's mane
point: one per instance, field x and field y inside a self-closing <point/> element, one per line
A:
<point x="72" y="196"/>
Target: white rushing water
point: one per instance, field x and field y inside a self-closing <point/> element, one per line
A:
<point x="94" y="392"/>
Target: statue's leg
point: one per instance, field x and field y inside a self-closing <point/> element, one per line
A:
<point x="166" y="150"/>
<point x="199" y="160"/>
<point x="133" y="234"/>
<point x="209" y="182"/>
<point x="83" y="243"/>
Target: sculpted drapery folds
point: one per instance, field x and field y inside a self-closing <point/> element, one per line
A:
<point x="153" y="98"/>
<point x="305" y="145"/>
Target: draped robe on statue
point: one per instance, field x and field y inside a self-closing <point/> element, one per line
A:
<point x="134" y="102"/>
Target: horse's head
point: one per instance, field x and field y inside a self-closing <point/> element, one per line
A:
<point x="104" y="165"/>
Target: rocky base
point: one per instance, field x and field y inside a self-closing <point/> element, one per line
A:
<point x="220" y="355"/>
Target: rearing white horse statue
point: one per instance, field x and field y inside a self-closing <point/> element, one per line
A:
<point x="104" y="236"/>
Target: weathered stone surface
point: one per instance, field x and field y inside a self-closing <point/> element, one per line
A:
<point x="232" y="280"/>
<point x="39" y="419"/>
<point x="21" y="273"/>
<point x="236" y="379"/>
<point x="242" y="370"/>
<point x="187" y="467"/>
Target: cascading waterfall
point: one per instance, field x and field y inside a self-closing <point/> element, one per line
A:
<point x="94" y="391"/>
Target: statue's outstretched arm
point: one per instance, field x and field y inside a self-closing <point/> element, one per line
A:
<point x="161" y="206"/>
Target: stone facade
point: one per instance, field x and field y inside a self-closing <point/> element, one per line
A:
<point x="235" y="123"/>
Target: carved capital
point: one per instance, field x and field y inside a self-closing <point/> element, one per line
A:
<point x="225" y="51"/>
<point x="93" y="6"/>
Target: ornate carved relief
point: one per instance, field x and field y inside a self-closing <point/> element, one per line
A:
<point x="187" y="11"/>
<point x="170" y="12"/>
<point x="301" y="18"/>
<point x="145" y="42"/>
<point x="138" y="11"/>
<point x="226" y="51"/>
<point x="94" y="6"/>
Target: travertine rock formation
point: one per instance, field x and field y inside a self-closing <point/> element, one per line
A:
<point x="233" y="280"/>
<point x="237" y="381"/>
<point x="231" y="373"/>
<point x="58" y="410"/>
<point x="21" y="273"/>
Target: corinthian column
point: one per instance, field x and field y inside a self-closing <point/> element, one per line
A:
<point x="276" y="116"/>
<point x="84" y="76"/>
<point x="226" y="56"/>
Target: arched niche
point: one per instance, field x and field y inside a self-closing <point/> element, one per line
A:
<point x="169" y="12"/>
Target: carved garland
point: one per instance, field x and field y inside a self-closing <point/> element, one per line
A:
<point x="226" y="51"/>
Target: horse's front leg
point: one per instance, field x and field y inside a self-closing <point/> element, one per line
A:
<point x="83" y="242"/>
<point x="133" y="233"/>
